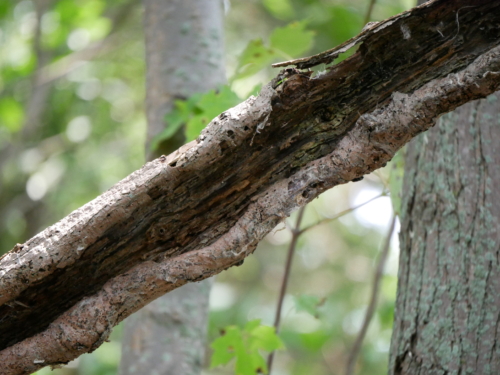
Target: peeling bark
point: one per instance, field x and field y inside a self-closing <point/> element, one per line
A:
<point x="204" y="208"/>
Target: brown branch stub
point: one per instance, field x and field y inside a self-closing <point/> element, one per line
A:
<point x="327" y="57"/>
<point x="200" y="210"/>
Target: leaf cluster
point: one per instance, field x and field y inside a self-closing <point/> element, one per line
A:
<point x="245" y="346"/>
<point x="199" y="109"/>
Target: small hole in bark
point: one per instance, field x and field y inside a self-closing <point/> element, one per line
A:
<point x="291" y="171"/>
<point x="173" y="164"/>
<point x="246" y="128"/>
<point x="230" y="134"/>
<point x="323" y="115"/>
<point x="223" y="146"/>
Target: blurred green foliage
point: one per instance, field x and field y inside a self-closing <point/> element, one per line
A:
<point x="196" y="112"/>
<point x="284" y="43"/>
<point x="245" y="345"/>
<point x="199" y="109"/>
<point x="72" y="125"/>
<point x="308" y="303"/>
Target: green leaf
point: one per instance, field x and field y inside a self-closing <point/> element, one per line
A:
<point x="11" y="114"/>
<point x="209" y="106"/>
<point x="254" y="58"/>
<point x="196" y="112"/>
<point x="251" y="325"/>
<point x="396" y="180"/>
<point x="245" y="345"/>
<point x="181" y="113"/>
<point x="214" y="102"/>
<point x="292" y="40"/>
<point x="264" y="337"/>
<point x="314" y="341"/>
<point x="281" y="9"/>
<point x="308" y="303"/>
<point x="285" y="42"/>
<point x="225" y="347"/>
<point x="245" y="362"/>
<point x="344" y="23"/>
<point x="199" y="110"/>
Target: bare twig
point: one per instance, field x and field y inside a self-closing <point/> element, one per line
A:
<point x="342" y="213"/>
<point x="296" y="233"/>
<point x="351" y="361"/>
<point x="291" y="250"/>
<point x="368" y="15"/>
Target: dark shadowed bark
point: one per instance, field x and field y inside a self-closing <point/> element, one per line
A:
<point x="447" y="309"/>
<point x="184" y="55"/>
<point x="204" y="208"/>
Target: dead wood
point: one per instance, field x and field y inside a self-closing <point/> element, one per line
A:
<point x="204" y="208"/>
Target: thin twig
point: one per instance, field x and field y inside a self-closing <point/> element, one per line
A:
<point x="368" y="15"/>
<point x="291" y="250"/>
<point x="340" y="214"/>
<point x="351" y="361"/>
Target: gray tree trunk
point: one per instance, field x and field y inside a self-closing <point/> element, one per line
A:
<point x="446" y="319"/>
<point x="184" y="55"/>
<point x="448" y="302"/>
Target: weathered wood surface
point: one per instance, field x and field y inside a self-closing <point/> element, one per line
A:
<point x="190" y="215"/>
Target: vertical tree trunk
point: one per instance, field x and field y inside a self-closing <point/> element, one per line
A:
<point x="447" y="306"/>
<point x="448" y="303"/>
<point x="184" y="55"/>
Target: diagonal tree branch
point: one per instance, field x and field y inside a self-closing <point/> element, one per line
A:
<point x="204" y="208"/>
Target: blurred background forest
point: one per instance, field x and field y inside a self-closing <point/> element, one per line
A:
<point x="72" y="124"/>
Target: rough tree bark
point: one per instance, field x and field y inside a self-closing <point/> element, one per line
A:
<point x="447" y="308"/>
<point x="204" y="208"/>
<point x="184" y="55"/>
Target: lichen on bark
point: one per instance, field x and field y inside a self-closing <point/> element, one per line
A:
<point x="447" y="318"/>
